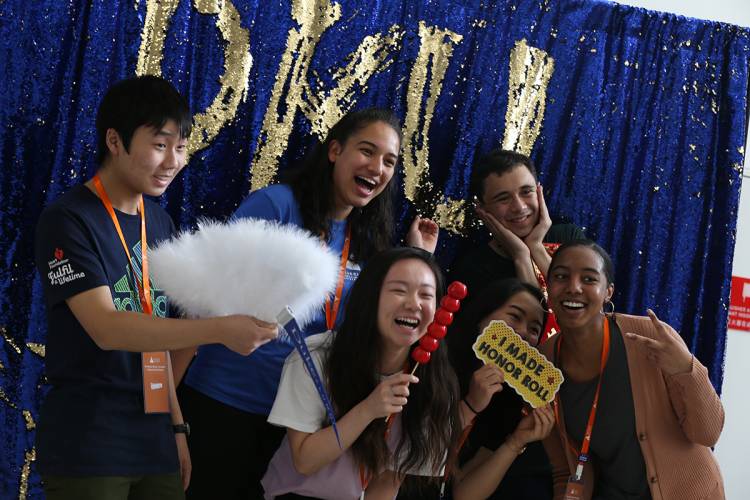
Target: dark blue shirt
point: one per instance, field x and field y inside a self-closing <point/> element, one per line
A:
<point x="249" y="383"/>
<point x="92" y="421"/>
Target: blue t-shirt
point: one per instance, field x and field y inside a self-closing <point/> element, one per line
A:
<point x="249" y="383"/>
<point x="92" y="422"/>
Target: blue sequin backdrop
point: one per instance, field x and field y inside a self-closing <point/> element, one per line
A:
<point x="640" y="123"/>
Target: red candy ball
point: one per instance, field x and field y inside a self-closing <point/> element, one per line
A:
<point x="420" y="355"/>
<point x="443" y="317"/>
<point x="457" y="290"/>
<point x="450" y="304"/>
<point x="436" y="331"/>
<point x="428" y="343"/>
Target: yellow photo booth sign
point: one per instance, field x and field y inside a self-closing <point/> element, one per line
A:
<point x="526" y="370"/>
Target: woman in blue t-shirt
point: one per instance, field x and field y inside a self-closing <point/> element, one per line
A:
<point x="344" y="194"/>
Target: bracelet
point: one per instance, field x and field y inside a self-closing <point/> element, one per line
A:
<point x="469" y="406"/>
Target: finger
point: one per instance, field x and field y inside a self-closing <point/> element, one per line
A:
<point x="186" y="477"/>
<point x="401" y="379"/>
<point x="415" y="223"/>
<point x="429" y="226"/>
<point x="542" y="203"/>
<point x="650" y="344"/>
<point x="656" y="321"/>
<point x="401" y="390"/>
<point x="397" y="401"/>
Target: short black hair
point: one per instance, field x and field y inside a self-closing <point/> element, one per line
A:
<point x="143" y="100"/>
<point x="498" y="161"/>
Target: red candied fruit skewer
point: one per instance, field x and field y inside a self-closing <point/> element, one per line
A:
<point x="439" y="326"/>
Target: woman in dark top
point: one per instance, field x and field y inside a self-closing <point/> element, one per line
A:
<point x="632" y="387"/>
<point x="500" y="426"/>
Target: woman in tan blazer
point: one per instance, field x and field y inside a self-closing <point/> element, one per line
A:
<point x="656" y="413"/>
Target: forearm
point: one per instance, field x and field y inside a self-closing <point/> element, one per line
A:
<point x="541" y="258"/>
<point x="181" y="359"/>
<point x="315" y="451"/>
<point x="483" y="479"/>
<point x="131" y="331"/>
<point x="525" y="269"/>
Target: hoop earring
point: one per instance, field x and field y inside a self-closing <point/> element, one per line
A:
<point x="604" y="309"/>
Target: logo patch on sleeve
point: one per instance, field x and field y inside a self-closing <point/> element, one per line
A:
<point x="61" y="270"/>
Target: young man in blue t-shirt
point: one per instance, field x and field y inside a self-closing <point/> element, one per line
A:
<point x="103" y="433"/>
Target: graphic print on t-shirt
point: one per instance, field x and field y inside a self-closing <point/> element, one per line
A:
<point x="61" y="269"/>
<point x="125" y="294"/>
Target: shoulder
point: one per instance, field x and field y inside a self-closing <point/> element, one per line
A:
<point x="562" y="233"/>
<point x="76" y="203"/>
<point x="319" y="346"/>
<point x="275" y="202"/>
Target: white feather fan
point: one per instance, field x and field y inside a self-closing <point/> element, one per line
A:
<point x="247" y="266"/>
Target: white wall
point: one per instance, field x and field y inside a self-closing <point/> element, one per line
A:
<point x="734" y="445"/>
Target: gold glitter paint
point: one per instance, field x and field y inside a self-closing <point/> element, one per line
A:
<point x="451" y="215"/>
<point x="323" y="107"/>
<point x="4" y="397"/>
<point x="237" y="62"/>
<point x="530" y="72"/>
<point x="30" y="425"/>
<point x="38" y="349"/>
<point x="314" y="18"/>
<point x="10" y="341"/>
<point x="435" y="52"/>
<point x="236" y="78"/>
<point x="151" y="51"/>
<point x="23" y="489"/>
<point x="323" y="110"/>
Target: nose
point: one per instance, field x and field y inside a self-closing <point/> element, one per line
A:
<point x="412" y="302"/>
<point x="172" y="159"/>
<point x="375" y="166"/>
<point x="516" y="203"/>
<point x="574" y="284"/>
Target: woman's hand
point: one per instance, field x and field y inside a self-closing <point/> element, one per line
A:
<point x="183" y="454"/>
<point x="423" y="233"/>
<point x="485" y="382"/>
<point x="668" y="351"/>
<point x="534" y="426"/>
<point x="389" y="396"/>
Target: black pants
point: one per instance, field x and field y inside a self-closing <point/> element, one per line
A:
<point x="229" y="448"/>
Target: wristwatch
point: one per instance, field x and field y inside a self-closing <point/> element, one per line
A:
<point x="183" y="428"/>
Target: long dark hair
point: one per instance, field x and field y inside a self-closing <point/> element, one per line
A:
<point x="430" y="420"/>
<point x="371" y="225"/>
<point x="466" y="327"/>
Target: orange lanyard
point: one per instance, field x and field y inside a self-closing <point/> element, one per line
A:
<point x="583" y="455"/>
<point x="144" y="287"/>
<point x="332" y="310"/>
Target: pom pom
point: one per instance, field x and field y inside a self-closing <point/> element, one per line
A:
<point x="247" y="266"/>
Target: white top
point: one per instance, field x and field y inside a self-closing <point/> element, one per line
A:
<point x="298" y="406"/>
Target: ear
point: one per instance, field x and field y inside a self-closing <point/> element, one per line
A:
<point x="610" y="291"/>
<point x="114" y="142"/>
<point x="334" y="150"/>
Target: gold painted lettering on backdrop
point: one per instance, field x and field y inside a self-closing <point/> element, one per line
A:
<point x="530" y="72"/>
<point x="291" y="90"/>
<point x="435" y="52"/>
<point x="237" y="62"/>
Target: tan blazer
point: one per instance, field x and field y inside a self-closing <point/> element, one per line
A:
<point x="677" y="419"/>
